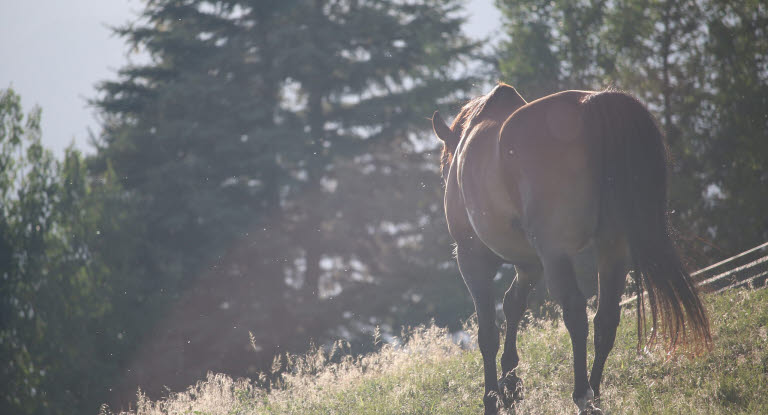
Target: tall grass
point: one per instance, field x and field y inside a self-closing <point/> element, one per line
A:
<point x="427" y="373"/>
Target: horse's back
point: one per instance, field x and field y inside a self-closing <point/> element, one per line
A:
<point x="549" y="155"/>
<point x="556" y="116"/>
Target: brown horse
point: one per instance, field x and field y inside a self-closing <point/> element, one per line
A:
<point x="532" y="184"/>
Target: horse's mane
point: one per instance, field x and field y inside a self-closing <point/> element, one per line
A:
<point x="496" y="105"/>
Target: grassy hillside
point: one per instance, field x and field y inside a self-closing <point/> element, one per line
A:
<point x="431" y="375"/>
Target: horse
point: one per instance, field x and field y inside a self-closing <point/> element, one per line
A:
<point x="532" y="184"/>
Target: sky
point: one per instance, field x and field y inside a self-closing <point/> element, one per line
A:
<point x="54" y="52"/>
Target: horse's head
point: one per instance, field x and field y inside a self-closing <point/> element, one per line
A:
<point x="450" y="138"/>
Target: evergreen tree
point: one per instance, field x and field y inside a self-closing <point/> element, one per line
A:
<point x="734" y="122"/>
<point x="553" y="45"/>
<point x="663" y="60"/>
<point x="279" y="156"/>
<point x="366" y="73"/>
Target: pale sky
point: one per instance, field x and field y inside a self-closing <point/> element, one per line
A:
<point x="53" y="52"/>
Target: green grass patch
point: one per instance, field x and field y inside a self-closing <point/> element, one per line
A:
<point x="431" y="375"/>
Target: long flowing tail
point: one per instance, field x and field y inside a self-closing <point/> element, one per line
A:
<point x="634" y="160"/>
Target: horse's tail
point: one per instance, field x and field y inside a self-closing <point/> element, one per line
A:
<point x="633" y="190"/>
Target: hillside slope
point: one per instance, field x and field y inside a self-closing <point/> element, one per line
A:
<point x="431" y="375"/>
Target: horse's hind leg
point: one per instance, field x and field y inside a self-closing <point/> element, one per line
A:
<point x="612" y="267"/>
<point x="515" y="304"/>
<point x="561" y="282"/>
<point x="478" y="267"/>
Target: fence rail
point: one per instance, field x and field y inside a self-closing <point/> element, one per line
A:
<point x="753" y="273"/>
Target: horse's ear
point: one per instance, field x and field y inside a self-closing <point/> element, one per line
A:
<point x="442" y="131"/>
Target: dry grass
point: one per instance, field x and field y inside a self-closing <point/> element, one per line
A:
<point x="432" y="375"/>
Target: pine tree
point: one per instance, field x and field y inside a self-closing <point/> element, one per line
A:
<point x="254" y="144"/>
<point x="553" y="45"/>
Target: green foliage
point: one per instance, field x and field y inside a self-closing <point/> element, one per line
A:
<point x="552" y="45"/>
<point x="58" y="319"/>
<point x="736" y="158"/>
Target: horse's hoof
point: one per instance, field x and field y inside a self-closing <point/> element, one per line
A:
<point x="491" y="403"/>
<point x="511" y="388"/>
<point x="588" y="404"/>
<point x="591" y="409"/>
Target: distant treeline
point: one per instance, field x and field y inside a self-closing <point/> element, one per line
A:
<point x="269" y="177"/>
